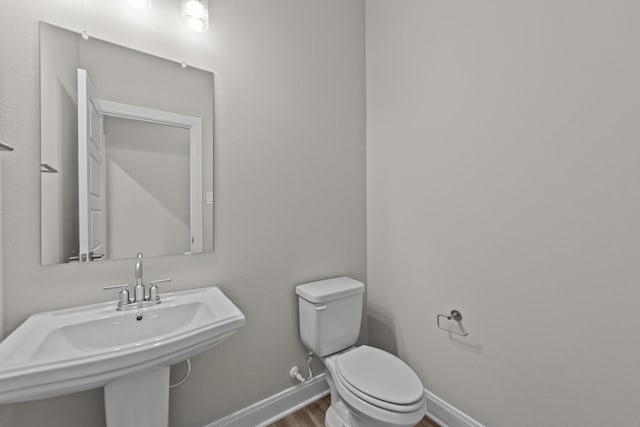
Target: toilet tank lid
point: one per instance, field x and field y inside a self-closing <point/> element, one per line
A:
<point x="330" y="289"/>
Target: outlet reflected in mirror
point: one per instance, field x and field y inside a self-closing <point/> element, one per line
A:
<point x="126" y="152"/>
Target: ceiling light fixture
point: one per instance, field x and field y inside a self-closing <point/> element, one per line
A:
<point x="196" y="12"/>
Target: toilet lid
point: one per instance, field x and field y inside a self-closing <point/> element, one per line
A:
<point x="380" y="375"/>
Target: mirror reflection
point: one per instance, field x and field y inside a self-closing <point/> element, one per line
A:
<point x="126" y="152"/>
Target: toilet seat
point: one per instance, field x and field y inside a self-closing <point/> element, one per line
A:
<point x="379" y="411"/>
<point x="380" y="379"/>
<point x="357" y="394"/>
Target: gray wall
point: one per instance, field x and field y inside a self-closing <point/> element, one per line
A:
<point x="289" y="182"/>
<point x="502" y="150"/>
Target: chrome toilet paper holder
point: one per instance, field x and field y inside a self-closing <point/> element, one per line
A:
<point x="456" y="316"/>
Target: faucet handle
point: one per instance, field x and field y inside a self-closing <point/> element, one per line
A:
<point x="122" y="286"/>
<point x="123" y="296"/>
<point x="154" y="291"/>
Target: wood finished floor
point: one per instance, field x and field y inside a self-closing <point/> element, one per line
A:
<point x="313" y="416"/>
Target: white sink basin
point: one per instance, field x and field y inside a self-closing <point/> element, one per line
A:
<point x="66" y="351"/>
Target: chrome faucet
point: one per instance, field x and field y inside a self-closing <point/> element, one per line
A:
<point x="140" y="299"/>
<point x="139" y="293"/>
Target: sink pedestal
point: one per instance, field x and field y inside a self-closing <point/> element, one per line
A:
<point x="138" y="400"/>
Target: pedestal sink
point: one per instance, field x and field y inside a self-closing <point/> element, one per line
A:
<point x="127" y="352"/>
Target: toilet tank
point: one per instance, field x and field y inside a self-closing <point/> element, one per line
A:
<point x="330" y="314"/>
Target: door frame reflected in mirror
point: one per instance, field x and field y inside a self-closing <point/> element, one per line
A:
<point x="194" y="126"/>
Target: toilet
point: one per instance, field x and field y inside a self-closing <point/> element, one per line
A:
<point x="369" y="387"/>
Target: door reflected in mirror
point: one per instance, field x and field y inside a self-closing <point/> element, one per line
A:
<point x="126" y="152"/>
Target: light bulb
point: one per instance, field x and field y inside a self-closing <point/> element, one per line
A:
<point x="138" y="4"/>
<point x="195" y="9"/>
<point x="196" y="24"/>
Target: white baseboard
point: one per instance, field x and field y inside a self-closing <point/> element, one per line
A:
<point x="447" y="415"/>
<point x="278" y="406"/>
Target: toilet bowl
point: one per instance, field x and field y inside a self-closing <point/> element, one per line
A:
<point x="369" y="387"/>
<point x="372" y="388"/>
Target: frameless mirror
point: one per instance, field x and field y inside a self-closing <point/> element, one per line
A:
<point x="126" y="152"/>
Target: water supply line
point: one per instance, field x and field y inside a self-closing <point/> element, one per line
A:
<point x="295" y="371"/>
